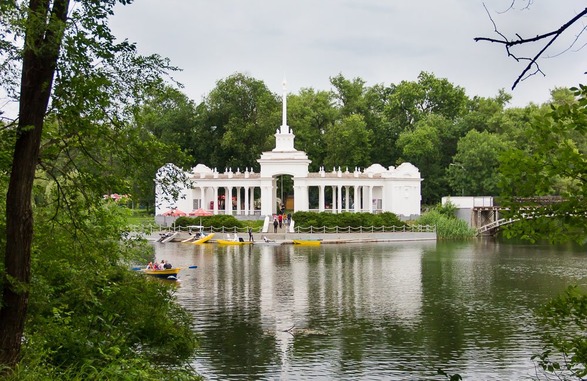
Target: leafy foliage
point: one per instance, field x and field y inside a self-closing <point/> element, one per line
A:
<point x="476" y="163"/>
<point x="564" y="319"/>
<point x="90" y="316"/>
<point x="348" y="143"/>
<point x="554" y="164"/>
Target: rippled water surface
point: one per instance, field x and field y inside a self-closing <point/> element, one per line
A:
<point x="370" y="312"/>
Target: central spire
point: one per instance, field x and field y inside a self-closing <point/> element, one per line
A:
<point x="284" y="137"/>
<point x="284" y="127"/>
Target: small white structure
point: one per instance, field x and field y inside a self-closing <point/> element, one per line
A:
<point x="374" y="190"/>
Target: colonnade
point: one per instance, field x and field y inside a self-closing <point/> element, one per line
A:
<point x="240" y="200"/>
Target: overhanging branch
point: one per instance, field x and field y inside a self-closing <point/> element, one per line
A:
<point x="549" y="37"/>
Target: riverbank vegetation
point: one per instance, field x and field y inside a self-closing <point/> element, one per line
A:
<point x="446" y="223"/>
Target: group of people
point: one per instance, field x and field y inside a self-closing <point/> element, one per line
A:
<point x="159" y="266"/>
<point x="279" y="220"/>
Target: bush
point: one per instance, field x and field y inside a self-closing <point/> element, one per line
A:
<point x="345" y="219"/>
<point x="216" y="221"/>
<point x="446" y="227"/>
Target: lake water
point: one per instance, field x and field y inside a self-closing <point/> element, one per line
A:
<point x="385" y="311"/>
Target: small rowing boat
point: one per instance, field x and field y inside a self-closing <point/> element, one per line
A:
<point x="171" y="273"/>
<point x="306" y="242"/>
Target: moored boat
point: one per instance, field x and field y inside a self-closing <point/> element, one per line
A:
<point x="204" y="239"/>
<point x="306" y="242"/>
<point x="233" y="242"/>
<point x="166" y="237"/>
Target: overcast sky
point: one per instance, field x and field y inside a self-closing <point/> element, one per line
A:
<point x="380" y="41"/>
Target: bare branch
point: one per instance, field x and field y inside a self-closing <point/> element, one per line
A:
<point x="551" y="37"/>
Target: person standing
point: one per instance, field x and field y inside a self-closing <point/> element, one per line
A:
<point x="275" y="224"/>
<point x="280" y="218"/>
<point x="251" y="234"/>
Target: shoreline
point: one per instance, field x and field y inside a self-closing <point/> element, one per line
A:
<point x="325" y="238"/>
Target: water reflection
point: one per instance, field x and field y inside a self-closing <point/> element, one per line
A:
<point x="380" y="311"/>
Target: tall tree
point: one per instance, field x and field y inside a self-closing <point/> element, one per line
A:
<point x="475" y="170"/>
<point x="421" y="146"/>
<point x="44" y="30"/>
<point x="310" y="114"/>
<point x="96" y="76"/>
<point x="348" y="143"/>
<point x="241" y="116"/>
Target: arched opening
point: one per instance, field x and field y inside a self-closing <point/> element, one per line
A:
<point x="284" y="193"/>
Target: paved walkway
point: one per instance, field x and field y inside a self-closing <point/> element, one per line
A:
<point x="327" y="238"/>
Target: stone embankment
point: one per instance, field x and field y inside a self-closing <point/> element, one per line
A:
<point x="326" y="238"/>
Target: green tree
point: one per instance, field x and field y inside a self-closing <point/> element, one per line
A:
<point x="475" y="171"/>
<point x="241" y="115"/>
<point x="348" y="143"/>
<point x="421" y="146"/>
<point x="82" y="148"/>
<point x="310" y="114"/>
<point x="165" y="125"/>
<point x="349" y="95"/>
<point x="409" y="102"/>
<point x="171" y="117"/>
<point x="554" y="164"/>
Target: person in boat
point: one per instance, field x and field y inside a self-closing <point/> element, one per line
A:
<point x="167" y="265"/>
<point x="150" y="266"/>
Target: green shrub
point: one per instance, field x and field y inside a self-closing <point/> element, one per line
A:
<point x="446" y="227"/>
<point x="216" y="221"/>
<point x="345" y="219"/>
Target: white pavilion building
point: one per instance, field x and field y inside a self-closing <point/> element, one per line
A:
<point x="254" y="195"/>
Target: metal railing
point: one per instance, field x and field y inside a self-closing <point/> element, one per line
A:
<point x="153" y="229"/>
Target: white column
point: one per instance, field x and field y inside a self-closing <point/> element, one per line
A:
<point x="247" y="207"/>
<point x="252" y="200"/>
<point x="333" y="206"/>
<point x="267" y="197"/>
<point x="321" y="198"/>
<point x="215" y="207"/>
<point x="346" y="198"/>
<point x="357" y="199"/>
<point x="370" y="198"/>
<point x="228" y="201"/>
<point x="238" y="200"/>
<point x="339" y="199"/>
<point x="301" y="198"/>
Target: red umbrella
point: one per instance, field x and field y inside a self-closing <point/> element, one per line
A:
<point x="174" y="213"/>
<point x="200" y="213"/>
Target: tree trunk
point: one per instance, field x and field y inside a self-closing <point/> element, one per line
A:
<point x="44" y="32"/>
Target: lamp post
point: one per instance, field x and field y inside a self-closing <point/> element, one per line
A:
<point x="463" y="168"/>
